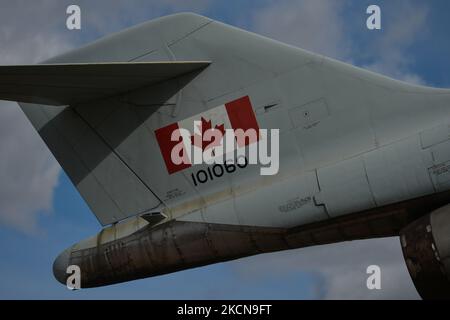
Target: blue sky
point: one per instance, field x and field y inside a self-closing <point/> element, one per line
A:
<point x="414" y="45"/>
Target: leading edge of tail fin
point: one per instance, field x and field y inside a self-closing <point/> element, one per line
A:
<point x="69" y="84"/>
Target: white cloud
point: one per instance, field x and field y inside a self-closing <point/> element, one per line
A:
<point x="322" y="26"/>
<point x="390" y="52"/>
<point x="315" y="25"/>
<point x="102" y="17"/>
<point x="28" y="172"/>
<point x="339" y="270"/>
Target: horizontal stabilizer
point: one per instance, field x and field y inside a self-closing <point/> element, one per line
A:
<point x="68" y="84"/>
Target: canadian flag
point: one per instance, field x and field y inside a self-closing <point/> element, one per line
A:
<point x="237" y="114"/>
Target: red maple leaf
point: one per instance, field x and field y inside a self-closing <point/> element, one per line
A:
<point x="205" y="126"/>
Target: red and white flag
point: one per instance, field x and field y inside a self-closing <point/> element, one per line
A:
<point x="237" y="114"/>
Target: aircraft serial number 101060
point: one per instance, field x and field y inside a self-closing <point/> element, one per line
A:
<point x="361" y="155"/>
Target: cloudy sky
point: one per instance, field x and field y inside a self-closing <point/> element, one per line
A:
<point x="41" y="213"/>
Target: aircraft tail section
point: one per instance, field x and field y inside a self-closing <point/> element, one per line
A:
<point x="108" y="146"/>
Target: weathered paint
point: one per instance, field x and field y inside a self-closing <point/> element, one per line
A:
<point x="178" y="245"/>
